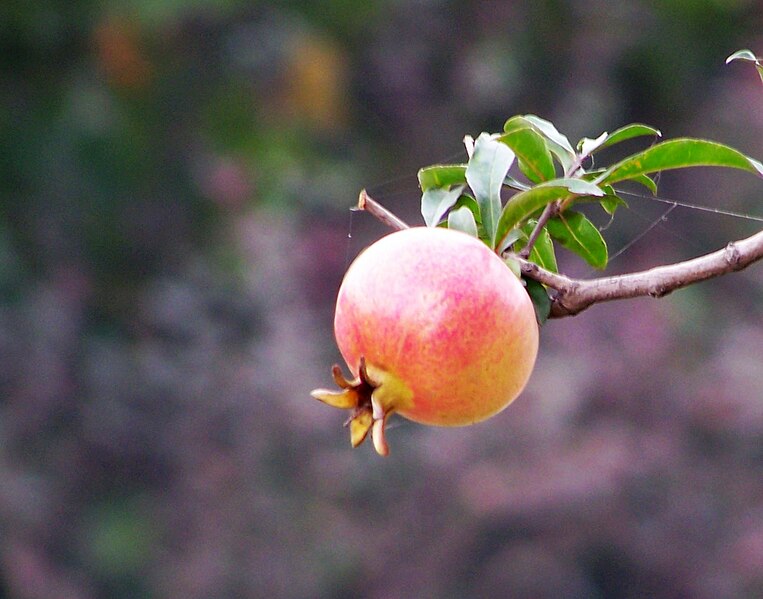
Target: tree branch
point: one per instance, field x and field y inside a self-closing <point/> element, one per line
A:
<point x="572" y="296"/>
<point x="365" y="202"/>
<point x="549" y="211"/>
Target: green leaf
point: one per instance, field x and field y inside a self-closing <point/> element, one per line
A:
<point x="508" y="240"/>
<point x="578" y="186"/>
<point x="579" y="235"/>
<point x="442" y="175"/>
<point x="557" y="143"/>
<point x="742" y="55"/>
<point x="629" y="132"/>
<point x="534" y="157"/>
<point x="436" y="202"/>
<point x="485" y="173"/>
<point x="612" y="202"/>
<point x="647" y="182"/>
<point x="543" y="251"/>
<point x="512" y="183"/>
<point x="513" y="265"/>
<point x="523" y="204"/>
<point x="587" y="146"/>
<point x="748" y="56"/>
<point x="462" y="219"/>
<point x="469" y="202"/>
<point x="679" y="153"/>
<point x="540" y="299"/>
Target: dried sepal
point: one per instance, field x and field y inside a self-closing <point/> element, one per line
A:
<point x="344" y="400"/>
<point x="338" y="376"/>
<point x="372" y="397"/>
<point x="378" y="437"/>
<point x="360" y="425"/>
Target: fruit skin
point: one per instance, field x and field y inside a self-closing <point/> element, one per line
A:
<point x="440" y="313"/>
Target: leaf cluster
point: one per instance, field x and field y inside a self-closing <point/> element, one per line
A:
<point x="519" y="189"/>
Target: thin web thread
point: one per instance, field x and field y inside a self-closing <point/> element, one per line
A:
<point x="378" y="189"/>
<point x="673" y="204"/>
<point x="661" y="219"/>
<point x="352" y="212"/>
<point x="721" y="211"/>
<point x="658" y="222"/>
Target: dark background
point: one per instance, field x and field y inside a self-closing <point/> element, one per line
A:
<point x="175" y="178"/>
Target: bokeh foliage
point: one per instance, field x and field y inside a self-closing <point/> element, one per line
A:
<point x="174" y="179"/>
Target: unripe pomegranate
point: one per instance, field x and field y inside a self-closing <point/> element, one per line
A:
<point x="433" y="326"/>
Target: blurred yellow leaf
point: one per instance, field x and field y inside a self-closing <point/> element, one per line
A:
<point x="315" y="91"/>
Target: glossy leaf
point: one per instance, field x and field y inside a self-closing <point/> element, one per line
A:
<point x="679" y="153"/>
<point x="579" y="235"/>
<point x="467" y="201"/>
<point x="542" y="252"/>
<point x="442" y="175"/>
<point x="511" y="182"/>
<point x="747" y="56"/>
<point x="525" y="203"/>
<point x="742" y="55"/>
<point x="508" y="240"/>
<point x="611" y="202"/>
<point x="578" y="186"/>
<point x="534" y="157"/>
<point x="629" y="132"/>
<point x="540" y="299"/>
<point x="647" y="182"/>
<point x="436" y="202"/>
<point x="592" y="174"/>
<point x="558" y="144"/>
<point x="462" y="219"/>
<point x="485" y="174"/>
<point x="587" y="146"/>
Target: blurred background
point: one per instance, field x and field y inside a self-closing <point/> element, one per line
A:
<point x="175" y="184"/>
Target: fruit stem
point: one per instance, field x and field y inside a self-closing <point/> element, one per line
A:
<point x="365" y="202"/>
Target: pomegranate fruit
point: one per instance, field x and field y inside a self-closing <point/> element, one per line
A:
<point x="434" y="326"/>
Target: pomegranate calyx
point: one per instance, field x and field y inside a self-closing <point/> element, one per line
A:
<point x="372" y="396"/>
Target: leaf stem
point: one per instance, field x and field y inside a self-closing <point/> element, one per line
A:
<point x="551" y="209"/>
<point x="548" y="212"/>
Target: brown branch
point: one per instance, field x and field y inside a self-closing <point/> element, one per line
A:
<point x="365" y="202"/>
<point x="549" y="211"/>
<point x="572" y="296"/>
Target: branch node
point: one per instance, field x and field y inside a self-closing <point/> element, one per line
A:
<point x="732" y="256"/>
